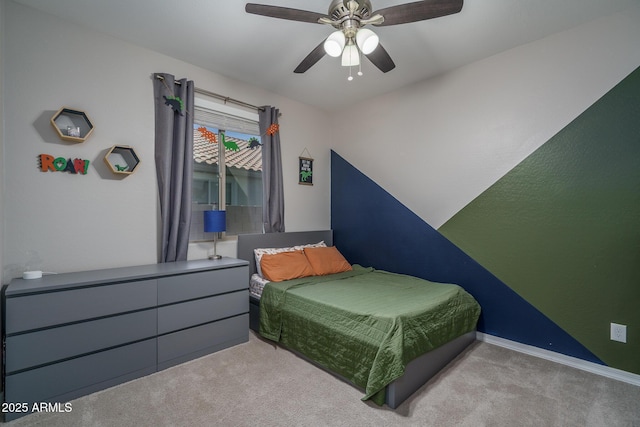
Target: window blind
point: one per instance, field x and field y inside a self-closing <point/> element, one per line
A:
<point x="226" y="121"/>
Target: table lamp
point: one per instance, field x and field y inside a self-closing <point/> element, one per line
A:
<point x="215" y="222"/>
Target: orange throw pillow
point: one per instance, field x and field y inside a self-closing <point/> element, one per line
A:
<point x="285" y="266"/>
<point x="326" y="260"/>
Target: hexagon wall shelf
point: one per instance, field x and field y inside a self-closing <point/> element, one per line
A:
<point x="122" y="159"/>
<point x="72" y="125"/>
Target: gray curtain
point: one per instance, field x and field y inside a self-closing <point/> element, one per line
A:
<point x="272" y="188"/>
<point x="174" y="163"/>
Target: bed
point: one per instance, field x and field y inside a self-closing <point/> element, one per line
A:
<point x="348" y="324"/>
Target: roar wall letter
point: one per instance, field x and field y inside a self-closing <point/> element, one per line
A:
<point x="60" y="164"/>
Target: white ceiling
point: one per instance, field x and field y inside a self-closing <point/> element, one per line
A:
<point x="220" y="36"/>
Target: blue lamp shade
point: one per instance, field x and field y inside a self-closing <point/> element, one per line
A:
<point x="215" y="221"/>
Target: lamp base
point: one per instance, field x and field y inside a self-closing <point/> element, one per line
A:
<point x="215" y="248"/>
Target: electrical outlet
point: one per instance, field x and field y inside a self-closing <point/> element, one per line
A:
<point x="618" y="332"/>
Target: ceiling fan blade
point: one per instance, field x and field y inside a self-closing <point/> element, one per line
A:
<point x="308" y="62"/>
<point x="381" y="59"/>
<point x="284" y="13"/>
<point x="418" y="11"/>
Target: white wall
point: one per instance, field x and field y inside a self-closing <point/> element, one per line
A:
<point x="56" y="221"/>
<point x="438" y="144"/>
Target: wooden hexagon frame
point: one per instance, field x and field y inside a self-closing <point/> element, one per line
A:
<point x="122" y="159"/>
<point x="72" y="125"/>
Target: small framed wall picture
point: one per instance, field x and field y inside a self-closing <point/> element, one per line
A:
<point x="305" y="171"/>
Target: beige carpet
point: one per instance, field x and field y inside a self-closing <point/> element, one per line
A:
<point x="258" y="384"/>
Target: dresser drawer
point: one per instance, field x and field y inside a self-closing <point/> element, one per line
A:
<point x="197" y="285"/>
<point x="188" y="344"/>
<point x="184" y="315"/>
<point x="24" y="313"/>
<point x="51" y="345"/>
<point x="72" y="376"/>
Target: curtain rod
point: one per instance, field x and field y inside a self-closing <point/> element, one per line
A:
<point x="227" y="99"/>
<point x="218" y="96"/>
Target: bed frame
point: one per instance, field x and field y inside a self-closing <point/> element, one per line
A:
<point x="417" y="372"/>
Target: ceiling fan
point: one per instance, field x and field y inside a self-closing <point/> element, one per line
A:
<point x="349" y="17"/>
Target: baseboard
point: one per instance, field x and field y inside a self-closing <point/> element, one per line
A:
<point x="573" y="362"/>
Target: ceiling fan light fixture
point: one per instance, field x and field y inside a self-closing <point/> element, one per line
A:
<point x="349" y="17"/>
<point x="350" y="56"/>
<point x="367" y="40"/>
<point x="334" y="44"/>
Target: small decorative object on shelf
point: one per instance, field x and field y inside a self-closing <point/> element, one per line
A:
<point x="122" y="159"/>
<point x="72" y="125"/>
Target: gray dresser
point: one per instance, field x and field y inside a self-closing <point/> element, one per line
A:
<point x="71" y="334"/>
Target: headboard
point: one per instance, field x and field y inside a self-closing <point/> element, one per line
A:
<point x="248" y="242"/>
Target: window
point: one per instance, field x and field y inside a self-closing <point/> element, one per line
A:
<point x="226" y="139"/>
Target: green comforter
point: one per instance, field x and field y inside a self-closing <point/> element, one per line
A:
<point x="365" y="324"/>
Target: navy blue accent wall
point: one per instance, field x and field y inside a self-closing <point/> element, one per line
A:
<point x="372" y="228"/>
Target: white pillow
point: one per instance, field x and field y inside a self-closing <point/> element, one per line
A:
<point x="258" y="252"/>
<point x="256" y="285"/>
